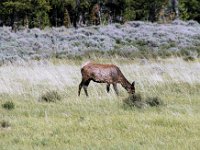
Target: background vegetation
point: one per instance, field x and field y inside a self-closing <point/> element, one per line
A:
<point x="39" y="106"/>
<point x="41" y="13"/>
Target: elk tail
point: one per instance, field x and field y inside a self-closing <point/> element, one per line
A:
<point x="86" y="63"/>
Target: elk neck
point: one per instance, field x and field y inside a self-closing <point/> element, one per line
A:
<point x="125" y="83"/>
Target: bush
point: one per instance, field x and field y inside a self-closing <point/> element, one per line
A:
<point x="154" y="101"/>
<point x="138" y="102"/>
<point x="5" y="124"/>
<point x="134" y="101"/>
<point x="51" y="96"/>
<point x="8" y="105"/>
<point x="188" y="58"/>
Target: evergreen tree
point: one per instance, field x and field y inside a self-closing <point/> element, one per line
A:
<point x="39" y="13"/>
<point x="67" y="20"/>
<point x="190" y="9"/>
<point x="14" y="11"/>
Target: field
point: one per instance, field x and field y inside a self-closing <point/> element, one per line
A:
<point x="102" y="121"/>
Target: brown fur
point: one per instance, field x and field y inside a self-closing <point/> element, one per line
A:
<point x="104" y="73"/>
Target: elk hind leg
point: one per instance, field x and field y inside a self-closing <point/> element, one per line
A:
<point x="85" y="86"/>
<point x="108" y="88"/>
<point x="80" y="87"/>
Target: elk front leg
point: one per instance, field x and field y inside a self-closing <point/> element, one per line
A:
<point x="116" y="89"/>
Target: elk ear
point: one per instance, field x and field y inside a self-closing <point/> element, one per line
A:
<point x="133" y="84"/>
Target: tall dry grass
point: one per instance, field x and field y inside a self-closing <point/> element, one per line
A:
<point x="29" y="77"/>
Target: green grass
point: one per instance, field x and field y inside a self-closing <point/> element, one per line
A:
<point x="102" y="122"/>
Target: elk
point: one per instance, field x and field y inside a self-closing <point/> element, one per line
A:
<point x="104" y="73"/>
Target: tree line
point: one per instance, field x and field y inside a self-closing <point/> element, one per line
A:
<point x="42" y="13"/>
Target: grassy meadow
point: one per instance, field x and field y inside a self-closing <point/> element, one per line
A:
<point x="102" y="121"/>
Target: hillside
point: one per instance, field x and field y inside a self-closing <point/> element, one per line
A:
<point x="130" y="37"/>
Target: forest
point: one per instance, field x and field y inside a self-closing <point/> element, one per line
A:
<point x="68" y="13"/>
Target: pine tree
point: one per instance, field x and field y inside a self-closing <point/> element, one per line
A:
<point x="14" y="11"/>
<point x="67" y="21"/>
<point x="39" y="16"/>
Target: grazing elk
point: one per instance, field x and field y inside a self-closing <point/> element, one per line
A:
<point x="104" y="73"/>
